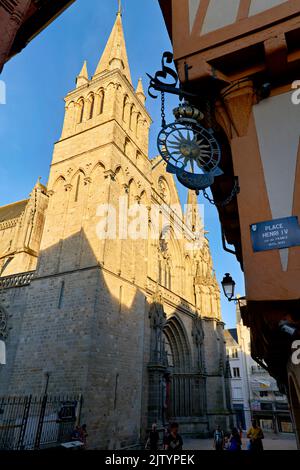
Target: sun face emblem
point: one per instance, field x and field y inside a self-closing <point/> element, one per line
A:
<point x="190" y="149"/>
<point x="191" y="152"/>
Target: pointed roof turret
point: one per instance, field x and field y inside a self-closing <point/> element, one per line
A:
<point x="83" y="76"/>
<point x="38" y="186"/>
<point x="115" y="54"/>
<point x="140" y="91"/>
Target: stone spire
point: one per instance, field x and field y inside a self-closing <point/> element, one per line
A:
<point x="140" y="91"/>
<point x="115" y="54"/>
<point x="192" y="216"/>
<point x="83" y="76"/>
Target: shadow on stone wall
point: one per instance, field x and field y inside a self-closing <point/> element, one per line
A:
<point x="85" y="327"/>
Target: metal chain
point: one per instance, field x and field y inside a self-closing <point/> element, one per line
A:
<point x="163" y="114"/>
<point x="234" y="192"/>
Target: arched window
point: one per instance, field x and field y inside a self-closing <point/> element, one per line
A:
<point x="80" y="111"/>
<point x="179" y="345"/>
<point x="138" y="157"/>
<point x="101" y="101"/>
<point x="137" y="124"/>
<point x="164" y="189"/>
<point x="124" y="107"/>
<point x="77" y="188"/>
<point x="131" y="117"/>
<point x="127" y="146"/>
<point x="91" y="106"/>
<point x="131" y="193"/>
<point x="168" y="352"/>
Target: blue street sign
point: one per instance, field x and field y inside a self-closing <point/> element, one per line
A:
<point x="275" y="234"/>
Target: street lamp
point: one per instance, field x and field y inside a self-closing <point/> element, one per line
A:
<point x="228" y="285"/>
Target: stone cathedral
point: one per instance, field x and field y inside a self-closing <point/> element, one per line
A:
<point x="132" y="324"/>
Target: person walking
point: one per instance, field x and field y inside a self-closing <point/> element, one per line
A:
<point x="226" y="443"/>
<point x="76" y="433"/>
<point x="165" y="437"/>
<point x="83" y="435"/>
<point x="218" y="438"/>
<point x="174" y="441"/>
<point x="235" y="440"/>
<point x="255" y="434"/>
<point x="153" y="439"/>
<point x="240" y="429"/>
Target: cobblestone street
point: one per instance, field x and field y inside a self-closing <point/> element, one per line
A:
<point x="271" y="442"/>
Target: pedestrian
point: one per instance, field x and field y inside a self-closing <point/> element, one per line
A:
<point x="83" y="434"/>
<point x="75" y="436"/>
<point x="153" y="439"/>
<point x="218" y="438"/>
<point x="165" y="438"/>
<point x="174" y="441"/>
<point x="235" y="440"/>
<point x="226" y="443"/>
<point x="255" y="434"/>
<point x="240" y="429"/>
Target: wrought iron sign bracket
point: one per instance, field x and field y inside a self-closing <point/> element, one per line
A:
<point x="158" y="82"/>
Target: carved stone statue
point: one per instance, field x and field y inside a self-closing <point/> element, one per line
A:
<point x="157" y="322"/>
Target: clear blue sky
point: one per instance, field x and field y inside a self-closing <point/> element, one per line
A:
<point x="38" y="79"/>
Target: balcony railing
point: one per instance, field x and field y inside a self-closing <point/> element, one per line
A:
<point x="16" y="280"/>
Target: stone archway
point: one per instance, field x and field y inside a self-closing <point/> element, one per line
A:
<point x="176" y="384"/>
<point x="181" y="386"/>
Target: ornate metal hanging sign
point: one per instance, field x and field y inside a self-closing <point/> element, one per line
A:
<point x="190" y="150"/>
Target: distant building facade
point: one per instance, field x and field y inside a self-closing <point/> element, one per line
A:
<point x="134" y="325"/>
<point x="254" y="392"/>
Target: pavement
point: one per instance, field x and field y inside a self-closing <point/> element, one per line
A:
<point x="270" y="442"/>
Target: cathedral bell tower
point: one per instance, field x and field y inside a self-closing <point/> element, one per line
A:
<point x="106" y="127"/>
<point x="109" y="95"/>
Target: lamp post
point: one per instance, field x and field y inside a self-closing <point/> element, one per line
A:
<point x="228" y="285"/>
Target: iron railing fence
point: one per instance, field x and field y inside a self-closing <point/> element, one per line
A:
<point x="36" y="422"/>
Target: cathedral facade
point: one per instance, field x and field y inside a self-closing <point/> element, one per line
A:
<point x="94" y="306"/>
